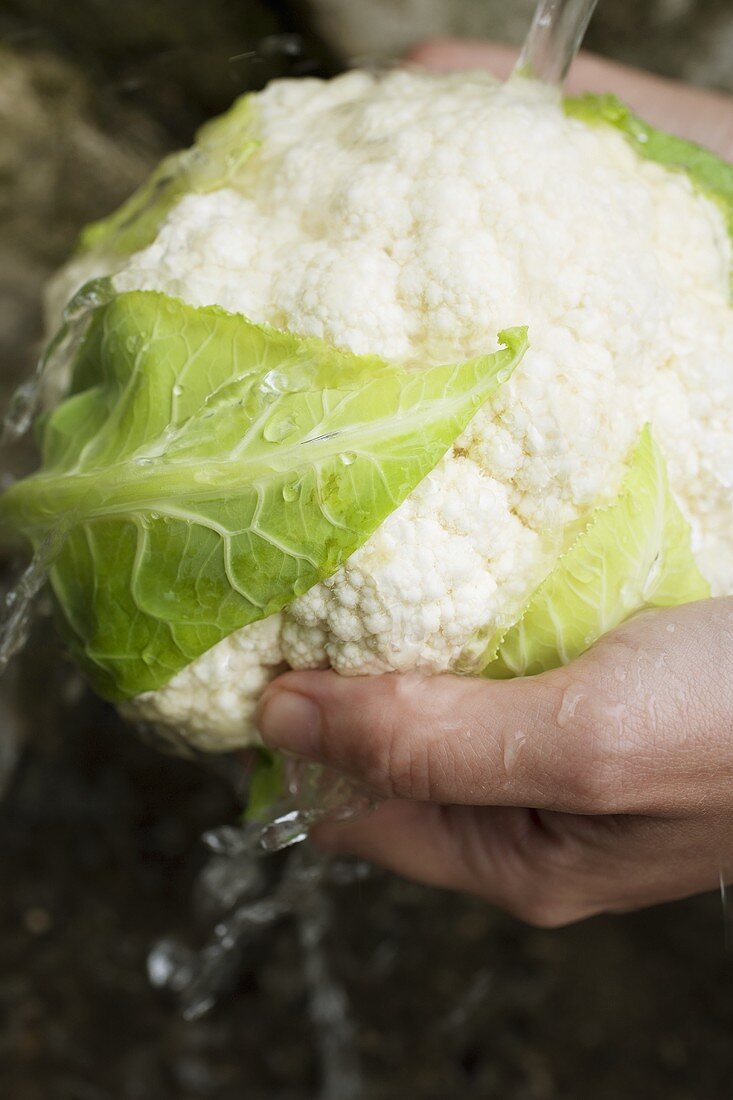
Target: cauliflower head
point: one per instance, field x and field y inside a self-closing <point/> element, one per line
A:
<point x="396" y="223"/>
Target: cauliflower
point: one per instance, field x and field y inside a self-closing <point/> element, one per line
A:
<point x="358" y="235"/>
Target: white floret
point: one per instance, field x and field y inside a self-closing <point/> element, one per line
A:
<point x="436" y="571"/>
<point x="212" y="699"/>
<point x="415" y="217"/>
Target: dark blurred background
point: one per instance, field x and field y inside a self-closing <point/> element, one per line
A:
<point x="99" y="834"/>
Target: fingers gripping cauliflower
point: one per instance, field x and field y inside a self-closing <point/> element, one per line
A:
<point x="321" y="490"/>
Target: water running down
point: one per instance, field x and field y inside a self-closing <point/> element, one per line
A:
<point x="554" y="39"/>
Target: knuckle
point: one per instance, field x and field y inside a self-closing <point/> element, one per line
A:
<point x="406" y="769"/>
<point x="545" y="907"/>
<point x="587" y="784"/>
<point x="393" y="759"/>
<point x="592" y="760"/>
<point x="549" y="900"/>
<point x="551" y="892"/>
<point x="548" y="917"/>
<point x="376" y="760"/>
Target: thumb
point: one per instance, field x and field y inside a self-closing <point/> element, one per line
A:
<point x="633" y="726"/>
<point x="447" y="739"/>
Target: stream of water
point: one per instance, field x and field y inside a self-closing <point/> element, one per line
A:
<point x="54" y="366"/>
<point x="554" y="39"/>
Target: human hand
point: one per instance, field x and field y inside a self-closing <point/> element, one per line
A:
<point x="625" y="756"/>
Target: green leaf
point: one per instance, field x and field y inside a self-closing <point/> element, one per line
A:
<point x="709" y="174"/>
<point x="222" y="148"/>
<point x="634" y="554"/>
<point x="266" y="786"/>
<point x="207" y="470"/>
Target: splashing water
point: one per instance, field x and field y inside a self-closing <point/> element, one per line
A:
<point x="328" y="1006"/>
<point x="54" y="365"/>
<point x="22" y="409"/>
<point x="50" y="376"/>
<point x="245" y="889"/>
<point x="554" y="39"/>
<point x="19" y="601"/>
<point x="314" y="795"/>
<point x="17" y="612"/>
<point x="247" y="893"/>
<point x="15" y="623"/>
<point x="256" y="894"/>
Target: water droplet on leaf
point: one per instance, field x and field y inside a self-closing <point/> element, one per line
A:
<point x="291" y="491"/>
<point x="279" y="429"/>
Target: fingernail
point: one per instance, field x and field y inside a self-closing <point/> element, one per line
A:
<point x="291" y="722"/>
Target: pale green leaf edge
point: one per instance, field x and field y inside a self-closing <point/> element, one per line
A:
<point x="266" y="785"/>
<point x="634" y="554"/>
<point x="710" y="174"/>
<point x="221" y="149"/>
<point x="54" y="494"/>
